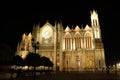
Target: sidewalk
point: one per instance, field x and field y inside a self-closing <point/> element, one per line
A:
<point x="68" y="76"/>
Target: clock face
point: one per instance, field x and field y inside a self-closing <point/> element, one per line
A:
<point x="47" y="34"/>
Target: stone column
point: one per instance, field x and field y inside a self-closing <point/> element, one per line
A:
<point x="55" y="51"/>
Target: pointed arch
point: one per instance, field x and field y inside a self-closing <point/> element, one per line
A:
<point x="68" y="41"/>
<point x="46" y="36"/>
<point x="88" y="40"/>
<point x="78" y="40"/>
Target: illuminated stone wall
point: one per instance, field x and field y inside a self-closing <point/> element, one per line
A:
<point x="78" y="48"/>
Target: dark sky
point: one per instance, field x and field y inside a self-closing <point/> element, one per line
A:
<point x="19" y="18"/>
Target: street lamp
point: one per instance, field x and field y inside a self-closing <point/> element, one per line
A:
<point x="35" y="45"/>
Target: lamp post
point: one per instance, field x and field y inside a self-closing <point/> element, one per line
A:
<point x="35" y="45"/>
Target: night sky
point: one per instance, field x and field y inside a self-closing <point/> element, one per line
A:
<point x="18" y="19"/>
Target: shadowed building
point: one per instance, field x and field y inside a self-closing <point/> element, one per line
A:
<point x="69" y="49"/>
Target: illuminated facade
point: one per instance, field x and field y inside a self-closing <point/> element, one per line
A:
<point x="69" y="49"/>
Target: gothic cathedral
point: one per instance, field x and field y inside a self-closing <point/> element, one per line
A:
<point x="69" y="49"/>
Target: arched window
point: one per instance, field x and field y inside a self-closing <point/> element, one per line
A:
<point x="94" y="22"/>
<point x="87" y="40"/>
<point x="67" y="42"/>
<point x="78" y="41"/>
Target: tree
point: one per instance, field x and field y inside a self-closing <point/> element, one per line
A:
<point x="33" y="59"/>
<point x="45" y="61"/>
<point x="18" y="61"/>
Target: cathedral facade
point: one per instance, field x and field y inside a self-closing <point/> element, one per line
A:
<point x="69" y="49"/>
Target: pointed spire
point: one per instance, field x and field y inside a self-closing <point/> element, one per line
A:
<point x="67" y="29"/>
<point x="29" y="36"/>
<point x="77" y="28"/>
<point x="23" y="36"/>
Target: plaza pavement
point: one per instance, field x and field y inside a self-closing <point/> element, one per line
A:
<point x="71" y="76"/>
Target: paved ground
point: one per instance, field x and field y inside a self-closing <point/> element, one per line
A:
<point x="71" y="76"/>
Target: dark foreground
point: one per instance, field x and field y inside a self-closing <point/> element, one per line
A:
<point x="72" y="76"/>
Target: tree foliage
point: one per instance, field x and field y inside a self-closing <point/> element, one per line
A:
<point x="33" y="59"/>
<point x="18" y="61"/>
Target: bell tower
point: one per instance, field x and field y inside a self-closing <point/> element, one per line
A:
<point x="98" y="44"/>
<point x="95" y="24"/>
